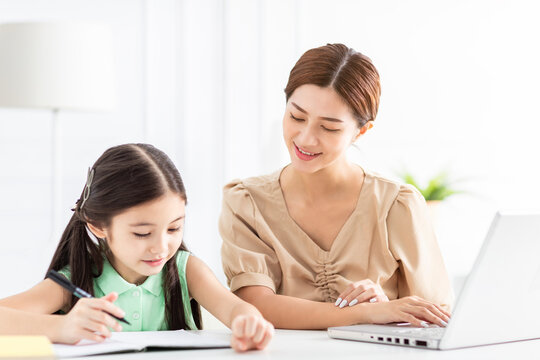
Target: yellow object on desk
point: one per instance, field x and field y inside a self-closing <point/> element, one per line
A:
<point x="18" y="347"/>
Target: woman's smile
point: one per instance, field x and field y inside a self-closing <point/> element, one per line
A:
<point x="304" y="155"/>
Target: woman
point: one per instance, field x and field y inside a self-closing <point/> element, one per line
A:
<point x="323" y="242"/>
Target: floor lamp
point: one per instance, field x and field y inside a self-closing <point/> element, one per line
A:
<point x="56" y="66"/>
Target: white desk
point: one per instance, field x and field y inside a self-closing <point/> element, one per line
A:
<point x="296" y="344"/>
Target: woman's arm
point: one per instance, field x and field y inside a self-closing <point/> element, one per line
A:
<point x="288" y="312"/>
<point x="249" y="329"/>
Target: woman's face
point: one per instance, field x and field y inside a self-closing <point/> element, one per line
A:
<point x="318" y="127"/>
<point x="143" y="238"/>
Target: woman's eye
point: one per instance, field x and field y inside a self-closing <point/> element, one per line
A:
<point x="331" y="130"/>
<point x="175" y="229"/>
<point x="296" y="119"/>
<point x="141" y="235"/>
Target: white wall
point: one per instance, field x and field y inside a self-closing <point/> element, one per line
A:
<point x="203" y="80"/>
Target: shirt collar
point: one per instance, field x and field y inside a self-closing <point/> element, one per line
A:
<point x="110" y="281"/>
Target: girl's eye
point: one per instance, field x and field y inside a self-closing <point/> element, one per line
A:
<point x="331" y="130"/>
<point x="141" y="235"/>
<point x="175" y="229"/>
<point x="296" y="119"/>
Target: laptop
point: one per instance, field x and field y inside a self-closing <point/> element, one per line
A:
<point x="499" y="301"/>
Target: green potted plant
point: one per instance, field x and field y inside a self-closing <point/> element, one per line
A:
<point x="438" y="188"/>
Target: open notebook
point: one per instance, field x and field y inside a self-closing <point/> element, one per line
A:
<point x="141" y="340"/>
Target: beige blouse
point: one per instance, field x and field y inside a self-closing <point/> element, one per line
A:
<point x="388" y="238"/>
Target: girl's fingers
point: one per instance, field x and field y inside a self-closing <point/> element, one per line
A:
<point x="250" y="326"/>
<point x="92" y="336"/>
<point x="238" y="345"/>
<point x="104" y="318"/>
<point x="259" y="333"/>
<point x="237" y="326"/>
<point x="107" y="306"/>
<point x="97" y="327"/>
<point x="268" y="335"/>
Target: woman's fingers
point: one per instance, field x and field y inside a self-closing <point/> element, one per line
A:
<point x="363" y="296"/>
<point x="341" y="298"/>
<point x="424" y="313"/>
<point x="437" y="311"/>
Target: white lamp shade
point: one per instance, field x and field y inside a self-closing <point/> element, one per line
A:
<point x="57" y="66"/>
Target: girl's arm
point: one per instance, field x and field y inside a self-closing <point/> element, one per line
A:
<point x="249" y="329"/>
<point x="30" y="313"/>
<point x="288" y="312"/>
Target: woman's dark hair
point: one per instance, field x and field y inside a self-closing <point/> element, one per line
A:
<point x="123" y="177"/>
<point x="348" y="72"/>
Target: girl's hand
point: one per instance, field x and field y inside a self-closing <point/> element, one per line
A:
<point x="411" y="309"/>
<point x="359" y="292"/>
<point x="250" y="332"/>
<point x="89" y="319"/>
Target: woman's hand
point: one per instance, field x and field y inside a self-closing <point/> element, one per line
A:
<point x="359" y="292"/>
<point x="411" y="309"/>
<point x="250" y="332"/>
<point x="89" y="319"/>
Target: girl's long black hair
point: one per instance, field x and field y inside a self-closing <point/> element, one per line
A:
<point x="123" y="177"/>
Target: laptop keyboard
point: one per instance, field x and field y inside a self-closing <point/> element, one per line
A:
<point x="428" y="333"/>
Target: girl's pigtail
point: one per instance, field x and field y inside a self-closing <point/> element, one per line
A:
<point x="174" y="312"/>
<point x="80" y="254"/>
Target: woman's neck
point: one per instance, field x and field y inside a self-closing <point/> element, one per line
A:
<point x="330" y="181"/>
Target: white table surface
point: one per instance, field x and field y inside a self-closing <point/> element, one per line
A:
<point x="302" y="344"/>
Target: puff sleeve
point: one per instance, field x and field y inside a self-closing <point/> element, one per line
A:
<point x="248" y="256"/>
<point x="412" y="242"/>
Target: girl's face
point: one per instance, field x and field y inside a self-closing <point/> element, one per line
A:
<point x="318" y="127"/>
<point x="143" y="238"/>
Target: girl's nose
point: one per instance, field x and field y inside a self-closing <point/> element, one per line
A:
<point x="160" y="246"/>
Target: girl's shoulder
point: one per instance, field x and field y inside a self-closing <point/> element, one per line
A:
<point x="181" y="260"/>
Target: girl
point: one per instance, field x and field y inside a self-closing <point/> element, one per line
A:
<point x="124" y="245"/>
<point x="323" y="242"/>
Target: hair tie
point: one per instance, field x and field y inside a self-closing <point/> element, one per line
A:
<point x="86" y="192"/>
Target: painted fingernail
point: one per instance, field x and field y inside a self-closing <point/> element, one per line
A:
<point x="444" y="323"/>
<point x="354" y="302"/>
<point x="372" y="300"/>
<point x="424" y="324"/>
<point x="338" y="301"/>
<point x="343" y="303"/>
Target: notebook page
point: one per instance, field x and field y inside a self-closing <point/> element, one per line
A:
<point x="138" y="340"/>
<point x="173" y="339"/>
<point x="86" y="347"/>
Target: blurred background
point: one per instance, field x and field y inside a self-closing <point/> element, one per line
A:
<point x="203" y="80"/>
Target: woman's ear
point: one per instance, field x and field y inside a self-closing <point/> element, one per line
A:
<point x="99" y="233"/>
<point x="363" y="130"/>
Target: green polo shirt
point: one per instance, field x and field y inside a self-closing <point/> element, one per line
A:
<point x="144" y="304"/>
